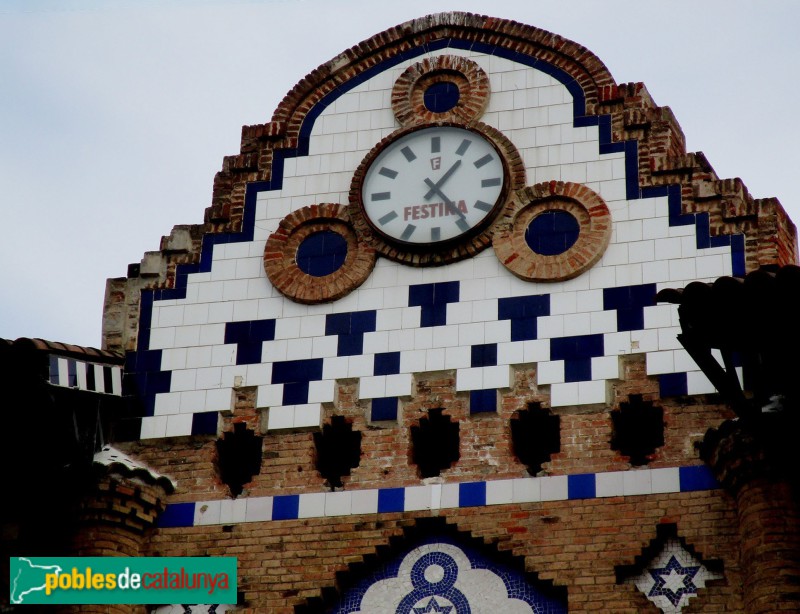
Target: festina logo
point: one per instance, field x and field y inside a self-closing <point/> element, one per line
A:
<point x="421" y="212"/>
<point x="436" y="163"/>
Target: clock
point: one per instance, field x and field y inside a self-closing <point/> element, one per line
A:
<point x="432" y="186"/>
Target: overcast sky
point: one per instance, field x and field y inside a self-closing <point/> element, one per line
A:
<point x="115" y="115"/>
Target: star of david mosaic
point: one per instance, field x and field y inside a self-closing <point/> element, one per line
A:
<point x="674" y="581"/>
<point x="673" y="577"/>
<point x="433" y="607"/>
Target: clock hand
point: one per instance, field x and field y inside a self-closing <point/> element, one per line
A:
<point x="442" y="179"/>
<point x="448" y="203"/>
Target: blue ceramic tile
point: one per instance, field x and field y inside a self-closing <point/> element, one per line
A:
<point x="295" y="393"/>
<point x="581" y="486"/>
<point x="177" y="515"/>
<point x="391" y="500"/>
<point x="204" y="423"/>
<point x="673" y="384"/>
<point x="577" y="347"/>
<point x="472" y="494"/>
<point x="387" y="363"/>
<point x="697" y="478"/>
<point x="384" y="409"/>
<point x="309" y="370"/>
<point x="484" y="355"/>
<point x="523" y="311"/>
<point x="433" y="299"/>
<point x="481" y="401"/>
<point x="578" y="370"/>
<point x="629" y="302"/>
<point x="285" y="507"/>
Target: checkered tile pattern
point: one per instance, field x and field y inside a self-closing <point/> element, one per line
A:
<point x="72" y="373"/>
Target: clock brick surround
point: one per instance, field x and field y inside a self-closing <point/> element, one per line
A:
<point x="212" y="340"/>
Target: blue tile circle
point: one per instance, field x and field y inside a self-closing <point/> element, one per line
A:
<point x="441" y="97"/>
<point x="322" y="253"/>
<point x="552" y="232"/>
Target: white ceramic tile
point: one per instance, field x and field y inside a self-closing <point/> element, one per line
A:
<point x="499" y="492"/>
<point x="469" y="379"/>
<point x="279" y="418"/>
<point x="636" y="482"/>
<point x="259" y="509"/>
<point x="554" y="488"/>
<point x="154" y="427"/>
<point x="179" y="425"/>
<point x="660" y="362"/>
<point x="307" y="416"/>
<point x="417" y="498"/>
<point x="536" y="350"/>
<point x="609" y="484"/>
<point x="550" y="372"/>
<point x="665" y="480"/>
<point x="592" y="392"/>
<point x="562" y="395"/>
<point x="605" y="367"/>
<point x="398" y="385"/>
<point x="311" y="505"/>
<point x="364" y="502"/>
<point x="373" y="387"/>
<point x="698" y="383"/>
<point x="549" y="327"/>
<point x="449" y="496"/>
<point x="207" y="512"/>
<point x="338" y="503"/>
<point x="321" y="391"/>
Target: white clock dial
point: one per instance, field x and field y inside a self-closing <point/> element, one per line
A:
<point x="433" y="185"/>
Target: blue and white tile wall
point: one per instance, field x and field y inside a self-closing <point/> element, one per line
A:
<point x="227" y="324"/>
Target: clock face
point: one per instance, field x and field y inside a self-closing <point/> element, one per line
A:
<point x="433" y="185"/>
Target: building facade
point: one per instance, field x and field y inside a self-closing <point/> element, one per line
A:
<point x="413" y="359"/>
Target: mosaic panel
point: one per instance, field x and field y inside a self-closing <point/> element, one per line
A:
<point x="445" y="578"/>
<point x="673" y="577"/>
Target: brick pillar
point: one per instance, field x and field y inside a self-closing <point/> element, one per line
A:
<point x="113" y="521"/>
<point x="769" y="519"/>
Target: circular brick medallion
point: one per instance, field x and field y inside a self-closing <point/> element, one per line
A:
<point x="445" y="88"/>
<point x="315" y="256"/>
<point x="552" y="231"/>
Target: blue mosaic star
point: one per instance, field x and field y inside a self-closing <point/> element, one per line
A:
<point x="673" y="581"/>
<point x="428" y="609"/>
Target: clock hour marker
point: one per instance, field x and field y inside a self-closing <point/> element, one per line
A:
<point x="487" y="183"/>
<point x="482" y="161"/>
<point x="387" y="218"/>
<point x="387" y="172"/>
<point x="479" y="204"/>
<point x="436" y="144"/>
<point x="381" y="195"/>
<point x="462" y="224"/>
<point x="436" y="233"/>
<point x="408" y="154"/>
<point x="408" y="232"/>
<point x="462" y="149"/>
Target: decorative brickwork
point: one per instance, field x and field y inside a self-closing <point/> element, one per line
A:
<point x="408" y="95"/>
<point x="586" y="206"/>
<point x="280" y="256"/>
